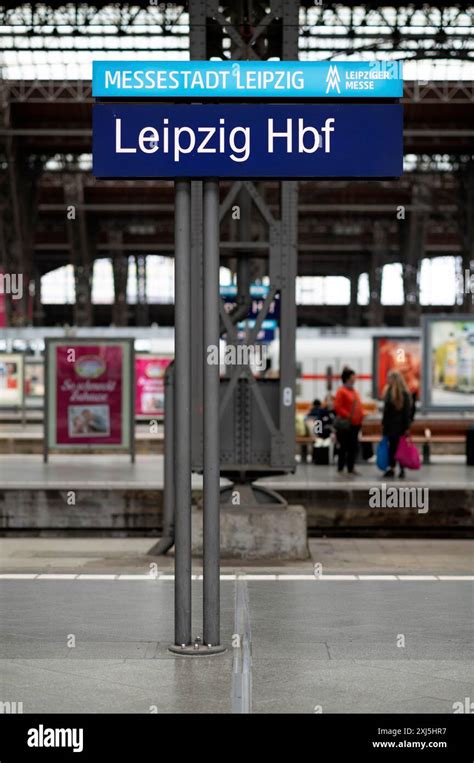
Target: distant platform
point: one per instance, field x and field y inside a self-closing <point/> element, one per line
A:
<point x="107" y="493"/>
<point x="115" y="472"/>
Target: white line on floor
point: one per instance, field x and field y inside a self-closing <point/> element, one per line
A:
<point x="242" y="651"/>
<point x="96" y="577"/>
<point x="19" y="576"/>
<point x="233" y="577"/>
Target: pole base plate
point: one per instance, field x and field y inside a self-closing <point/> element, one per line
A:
<point x="201" y="650"/>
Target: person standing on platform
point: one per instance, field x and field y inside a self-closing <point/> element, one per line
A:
<point x="322" y="415"/>
<point x="348" y="421"/>
<point x="396" y="418"/>
<point x="314" y="410"/>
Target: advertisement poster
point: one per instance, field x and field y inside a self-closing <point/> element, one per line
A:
<point x="11" y="380"/>
<point x="3" y="309"/>
<point x="34" y="378"/>
<point x="150" y="384"/>
<point x="89" y="393"/>
<point x="401" y="354"/>
<point x="450" y="357"/>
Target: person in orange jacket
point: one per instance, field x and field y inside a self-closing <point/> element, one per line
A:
<point x="349" y="416"/>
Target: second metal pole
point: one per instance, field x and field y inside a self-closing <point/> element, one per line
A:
<point x="167" y="537"/>
<point x="168" y="498"/>
<point x="211" y="486"/>
<point x="182" y="413"/>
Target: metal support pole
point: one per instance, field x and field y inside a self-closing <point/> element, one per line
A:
<point x="167" y="537"/>
<point x="211" y="486"/>
<point x="182" y="412"/>
<point x="168" y="500"/>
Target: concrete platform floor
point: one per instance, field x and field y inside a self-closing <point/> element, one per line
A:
<point x="101" y="647"/>
<point x="336" y="555"/>
<point x="363" y="638"/>
<point x="108" y="472"/>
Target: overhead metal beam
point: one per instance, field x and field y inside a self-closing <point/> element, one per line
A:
<point x="81" y="247"/>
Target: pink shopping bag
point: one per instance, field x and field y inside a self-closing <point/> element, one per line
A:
<point x="407" y="453"/>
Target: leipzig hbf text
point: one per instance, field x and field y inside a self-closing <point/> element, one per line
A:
<point x="178" y="141"/>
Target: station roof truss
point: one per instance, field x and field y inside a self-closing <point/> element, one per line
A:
<point x="45" y="136"/>
<point x="413" y="30"/>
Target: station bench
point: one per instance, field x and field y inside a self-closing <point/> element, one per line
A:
<point x="425" y="440"/>
<point x="424" y="432"/>
<point x="304" y="441"/>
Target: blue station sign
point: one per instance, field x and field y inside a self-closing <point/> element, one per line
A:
<point x="247" y="79"/>
<point x="258" y="294"/>
<point x="247" y="140"/>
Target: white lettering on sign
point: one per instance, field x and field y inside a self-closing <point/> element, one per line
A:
<point x="148" y="140"/>
<point x="112" y="79"/>
<point x="288" y="135"/>
<point x="118" y="140"/>
<point x="185" y="140"/>
<point x="327" y="130"/>
<point x="303" y="148"/>
<point x="218" y="140"/>
<point x="244" y="79"/>
<point x="213" y="140"/>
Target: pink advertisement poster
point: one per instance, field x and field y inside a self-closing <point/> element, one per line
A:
<point x="3" y="307"/>
<point x="150" y="385"/>
<point x="89" y="395"/>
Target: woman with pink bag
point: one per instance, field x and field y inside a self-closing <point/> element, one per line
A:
<point x="396" y="417"/>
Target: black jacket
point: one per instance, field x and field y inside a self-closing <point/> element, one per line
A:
<point x="326" y="417"/>
<point x="396" y="422"/>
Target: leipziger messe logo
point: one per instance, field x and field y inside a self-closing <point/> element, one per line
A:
<point x="333" y="79"/>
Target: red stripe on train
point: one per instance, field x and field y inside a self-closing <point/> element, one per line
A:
<point x="323" y="377"/>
